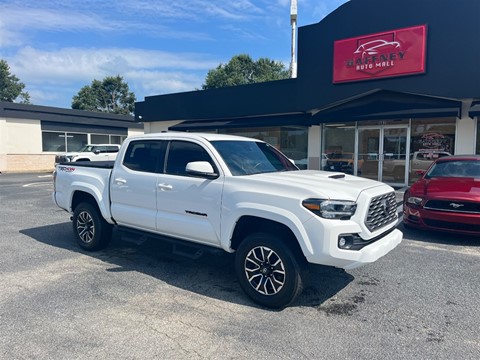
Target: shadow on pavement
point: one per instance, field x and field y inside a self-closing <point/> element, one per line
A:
<point x="211" y="275"/>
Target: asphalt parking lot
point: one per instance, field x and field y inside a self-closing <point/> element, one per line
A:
<point x="137" y="300"/>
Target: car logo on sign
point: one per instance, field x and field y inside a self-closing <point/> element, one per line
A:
<point x="455" y="205"/>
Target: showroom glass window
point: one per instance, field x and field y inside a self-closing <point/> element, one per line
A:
<point x="339" y="142"/>
<point x="433" y="134"/>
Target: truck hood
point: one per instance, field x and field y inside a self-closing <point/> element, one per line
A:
<point x="331" y="185"/>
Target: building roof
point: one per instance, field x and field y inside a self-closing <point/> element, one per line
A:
<point x="60" y="115"/>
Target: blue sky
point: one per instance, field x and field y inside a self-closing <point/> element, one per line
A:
<point x="56" y="47"/>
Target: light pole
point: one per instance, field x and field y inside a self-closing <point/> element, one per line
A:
<point x="293" y="22"/>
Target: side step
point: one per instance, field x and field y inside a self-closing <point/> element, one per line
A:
<point x="179" y="247"/>
<point x="191" y="252"/>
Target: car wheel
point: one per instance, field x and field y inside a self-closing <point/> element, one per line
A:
<point x="268" y="271"/>
<point x="91" y="230"/>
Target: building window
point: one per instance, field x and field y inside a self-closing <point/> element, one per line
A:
<point x="99" y="139"/>
<point x="67" y="141"/>
<point x="433" y="134"/>
<point x="339" y="147"/>
<point x="61" y="141"/>
<point x="117" y="139"/>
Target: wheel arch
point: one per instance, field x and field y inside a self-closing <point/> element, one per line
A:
<point x="85" y="195"/>
<point x="248" y="224"/>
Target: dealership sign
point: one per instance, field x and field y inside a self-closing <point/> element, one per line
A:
<point x="393" y="53"/>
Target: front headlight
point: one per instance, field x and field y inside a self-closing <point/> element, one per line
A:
<point x="415" y="200"/>
<point x="331" y="209"/>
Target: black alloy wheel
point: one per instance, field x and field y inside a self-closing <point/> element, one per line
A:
<point x="268" y="271"/>
<point x="91" y="230"/>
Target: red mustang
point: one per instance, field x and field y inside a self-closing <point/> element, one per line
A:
<point x="446" y="197"/>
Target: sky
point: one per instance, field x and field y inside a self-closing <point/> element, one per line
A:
<point x="55" y="47"/>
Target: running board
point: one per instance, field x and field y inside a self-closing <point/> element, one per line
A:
<point x="190" y="252"/>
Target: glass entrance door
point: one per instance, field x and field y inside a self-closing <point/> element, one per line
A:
<point x="382" y="154"/>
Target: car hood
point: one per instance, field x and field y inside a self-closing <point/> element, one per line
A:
<point x="467" y="189"/>
<point x="332" y="185"/>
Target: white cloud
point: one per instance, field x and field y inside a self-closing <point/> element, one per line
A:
<point x="70" y="64"/>
<point x="55" y="76"/>
<point x="163" y="82"/>
<point x="20" y="17"/>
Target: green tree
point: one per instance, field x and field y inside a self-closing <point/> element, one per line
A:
<point x="241" y="70"/>
<point x="11" y="88"/>
<point x="111" y="95"/>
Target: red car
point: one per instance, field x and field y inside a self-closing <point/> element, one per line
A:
<point x="446" y="197"/>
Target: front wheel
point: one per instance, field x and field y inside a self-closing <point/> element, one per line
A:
<point x="91" y="230"/>
<point x="268" y="271"/>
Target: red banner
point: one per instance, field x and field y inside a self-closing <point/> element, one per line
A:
<point x="393" y="53"/>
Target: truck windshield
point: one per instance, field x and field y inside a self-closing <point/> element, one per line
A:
<point x="252" y="157"/>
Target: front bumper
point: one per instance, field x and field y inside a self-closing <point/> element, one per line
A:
<point x="325" y="250"/>
<point x="463" y="223"/>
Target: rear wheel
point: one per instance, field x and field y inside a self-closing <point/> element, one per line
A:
<point x="268" y="271"/>
<point x="91" y="230"/>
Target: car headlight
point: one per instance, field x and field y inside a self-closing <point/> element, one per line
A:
<point x="331" y="209"/>
<point x="415" y="200"/>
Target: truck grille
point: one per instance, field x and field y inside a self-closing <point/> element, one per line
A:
<point x="453" y="206"/>
<point x="382" y="211"/>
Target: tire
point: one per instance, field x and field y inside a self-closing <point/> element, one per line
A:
<point x="92" y="232"/>
<point x="268" y="271"/>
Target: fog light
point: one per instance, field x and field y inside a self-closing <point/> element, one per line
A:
<point x="345" y="241"/>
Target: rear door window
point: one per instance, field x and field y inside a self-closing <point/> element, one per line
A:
<point x="145" y="156"/>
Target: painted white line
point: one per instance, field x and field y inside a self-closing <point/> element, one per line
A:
<point x="38" y="184"/>
<point x="463" y="250"/>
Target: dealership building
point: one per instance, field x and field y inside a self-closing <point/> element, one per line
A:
<point x="377" y="82"/>
<point x="31" y="135"/>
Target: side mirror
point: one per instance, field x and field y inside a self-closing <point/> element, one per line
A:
<point x="96" y="151"/>
<point x="420" y="172"/>
<point x="201" y="169"/>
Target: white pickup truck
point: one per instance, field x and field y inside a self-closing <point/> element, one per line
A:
<point x="237" y="194"/>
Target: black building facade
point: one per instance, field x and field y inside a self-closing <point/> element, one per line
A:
<point x="377" y="81"/>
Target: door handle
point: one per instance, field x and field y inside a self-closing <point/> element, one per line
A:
<point x="165" y="187"/>
<point x="120" y="181"/>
